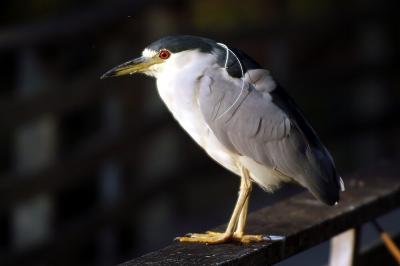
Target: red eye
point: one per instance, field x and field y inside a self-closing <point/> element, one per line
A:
<point x="164" y="54"/>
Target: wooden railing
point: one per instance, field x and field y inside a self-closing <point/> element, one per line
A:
<point x="304" y="222"/>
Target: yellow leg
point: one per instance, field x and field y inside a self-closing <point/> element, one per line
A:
<point x="242" y="218"/>
<point x="239" y="235"/>
<point x="239" y="232"/>
<point x="237" y="221"/>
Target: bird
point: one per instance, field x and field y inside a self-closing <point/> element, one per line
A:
<point x="243" y="119"/>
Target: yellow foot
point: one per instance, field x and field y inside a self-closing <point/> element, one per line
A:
<point x="211" y="237"/>
<point x="247" y="239"/>
<point x="207" y="238"/>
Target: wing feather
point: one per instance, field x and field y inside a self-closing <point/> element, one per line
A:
<point x="267" y="126"/>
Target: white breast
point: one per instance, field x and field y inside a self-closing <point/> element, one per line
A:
<point x="178" y="89"/>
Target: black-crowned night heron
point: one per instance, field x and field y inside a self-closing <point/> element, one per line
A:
<point x="241" y="117"/>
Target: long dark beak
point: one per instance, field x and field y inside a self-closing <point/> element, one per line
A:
<point x="137" y="65"/>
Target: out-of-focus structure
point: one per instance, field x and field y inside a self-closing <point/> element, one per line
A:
<point x="74" y="186"/>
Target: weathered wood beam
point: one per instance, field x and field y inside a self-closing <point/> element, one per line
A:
<point x="301" y="219"/>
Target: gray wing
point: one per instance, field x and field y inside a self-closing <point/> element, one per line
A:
<point x="266" y="125"/>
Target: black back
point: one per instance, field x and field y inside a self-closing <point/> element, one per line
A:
<point x="180" y="43"/>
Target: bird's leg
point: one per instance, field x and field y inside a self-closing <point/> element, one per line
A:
<point x="238" y="218"/>
<point x="242" y="219"/>
<point x="239" y="232"/>
<point x="216" y="237"/>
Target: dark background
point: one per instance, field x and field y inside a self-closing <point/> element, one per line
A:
<point x="95" y="172"/>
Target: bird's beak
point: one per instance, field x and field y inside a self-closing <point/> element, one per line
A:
<point x="137" y="65"/>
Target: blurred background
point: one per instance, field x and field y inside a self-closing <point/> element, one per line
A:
<point x="95" y="172"/>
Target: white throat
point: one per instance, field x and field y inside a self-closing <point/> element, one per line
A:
<point x="178" y="83"/>
<point x="177" y="78"/>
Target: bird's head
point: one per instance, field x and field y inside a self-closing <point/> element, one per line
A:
<point x="166" y="53"/>
<point x="176" y="52"/>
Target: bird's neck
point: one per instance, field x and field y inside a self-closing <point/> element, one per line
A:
<point x="178" y="81"/>
<point x="178" y="88"/>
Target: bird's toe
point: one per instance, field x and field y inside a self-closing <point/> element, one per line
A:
<point x="207" y="238"/>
